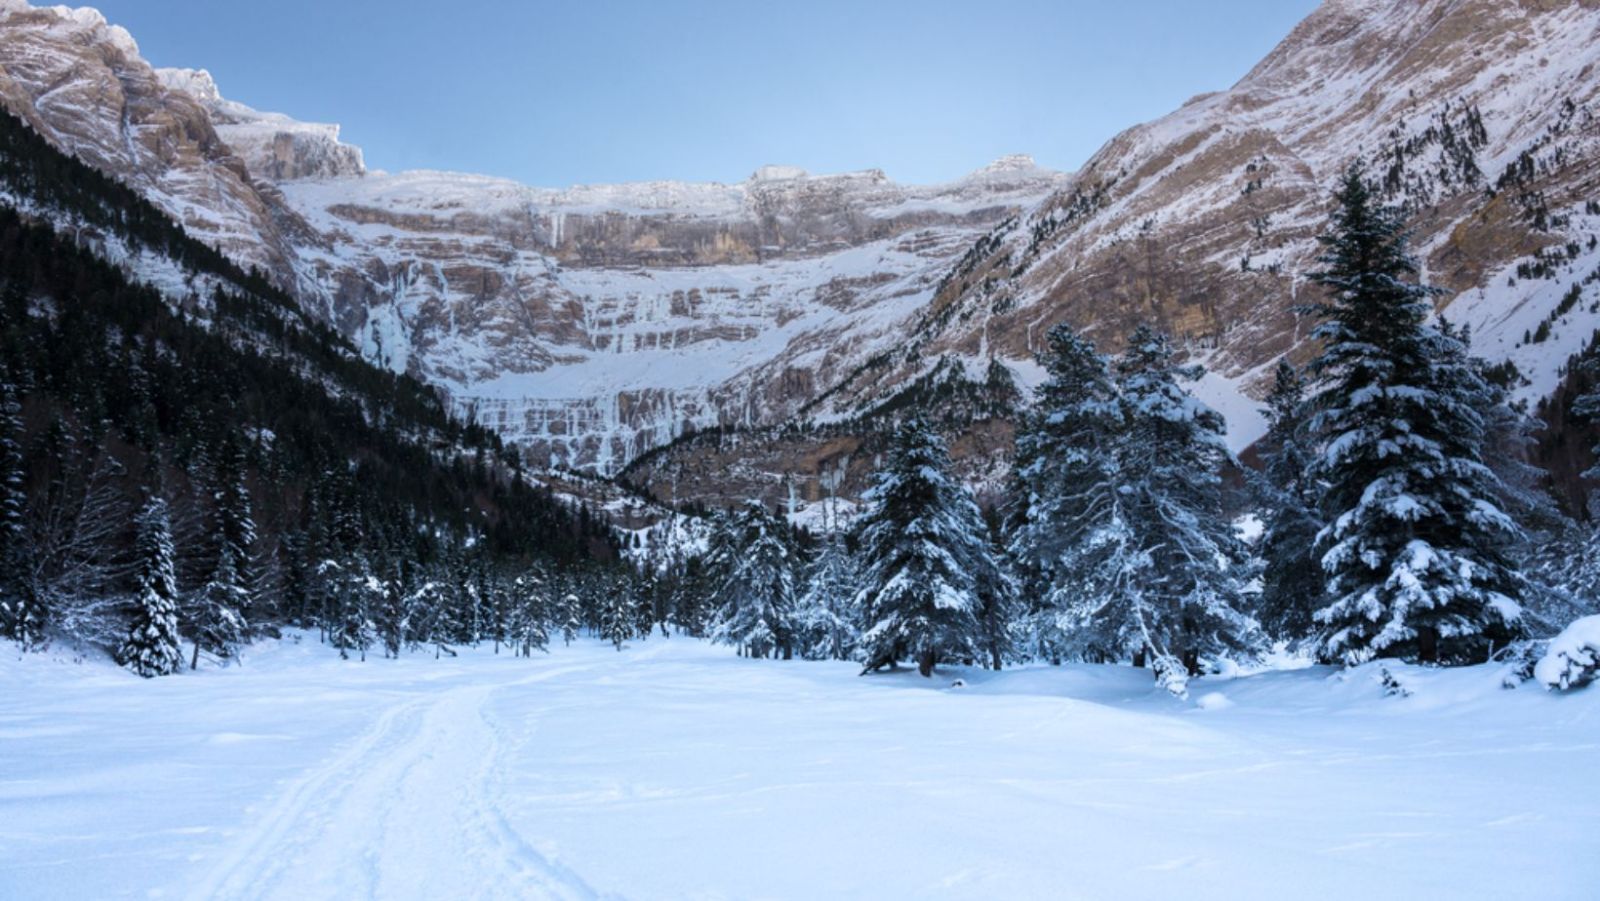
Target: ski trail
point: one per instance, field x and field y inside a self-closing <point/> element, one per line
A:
<point x="407" y="810"/>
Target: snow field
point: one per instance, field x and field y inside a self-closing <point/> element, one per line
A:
<point x="677" y="770"/>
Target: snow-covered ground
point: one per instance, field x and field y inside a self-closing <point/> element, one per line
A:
<point x="677" y="770"/>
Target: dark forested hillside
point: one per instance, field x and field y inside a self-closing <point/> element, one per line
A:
<point x="231" y="406"/>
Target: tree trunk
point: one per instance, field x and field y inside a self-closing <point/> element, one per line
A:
<point x="1191" y="662"/>
<point x="194" y="662"/>
<point x="925" y="663"/>
<point x="1138" y="658"/>
<point x="1428" y="644"/>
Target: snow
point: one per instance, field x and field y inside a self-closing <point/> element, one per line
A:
<point x="1573" y="657"/>
<point x="675" y="769"/>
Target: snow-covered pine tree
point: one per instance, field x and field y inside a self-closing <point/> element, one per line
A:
<point x="617" y="616"/>
<point x="1187" y="569"/>
<point x="1001" y="613"/>
<point x="1415" y="546"/>
<point x="923" y="544"/>
<point x="235" y="522"/>
<point x="151" y="648"/>
<point x="1291" y="578"/>
<point x="757" y="597"/>
<point x="825" y="618"/>
<point x="1064" y="488"/>
<point x="213" y="614"/>
<point x="530" y="615"/>
<point x="359" y="595"/>
<point x="571" y="612"/>
<point x="392" y="616"/>
<point x="22" y="611"/>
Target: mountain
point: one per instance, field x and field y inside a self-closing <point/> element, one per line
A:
<point x="683" y="333"/>
<point x="1479" y="116"/>
<point x="141" y="360"/>
<point x="588" y="324"/>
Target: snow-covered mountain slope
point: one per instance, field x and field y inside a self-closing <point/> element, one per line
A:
<point x="590" y="323"/>
<point x="1479" y="115"/>
<point x="594" y="323"/>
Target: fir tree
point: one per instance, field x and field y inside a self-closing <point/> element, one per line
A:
<point x="1064" y="486"/>
<point x="1178" y="541"/>
<point x="1291" y="579"/>
<point x="922" y="546"/>
<point x="22" y="611"/>
<point x="825" y="619"/>
<point x="757" y="595"/>
<point x="571" y="617"/>
<point x="235" y="522"/>
<point x="1415" y="546"/>
<point x="617" y="616"/>
<point x="1000" y="611"/>
<point x="357" y="595"/>
<point x="213" y="614"/>
<point x="151" y="648"/>
<point x="529" y="628"/>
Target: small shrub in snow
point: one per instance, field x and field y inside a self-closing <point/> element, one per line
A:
<point x="1521" y="657"/>
<point x="1392" y="686"/>
<point x="1574" y="656"/>
<point x="1172" y="674"/>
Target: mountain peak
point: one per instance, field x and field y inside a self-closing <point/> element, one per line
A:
<point x="1011" y="162"/>
<point x="778" y="173"/>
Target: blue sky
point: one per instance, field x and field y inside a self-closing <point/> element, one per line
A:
<point x="616" y="90"/>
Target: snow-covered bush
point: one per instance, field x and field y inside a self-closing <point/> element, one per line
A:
<point x="1574" y="656"/>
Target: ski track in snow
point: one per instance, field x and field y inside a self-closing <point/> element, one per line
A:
<point x="413" y="799"/>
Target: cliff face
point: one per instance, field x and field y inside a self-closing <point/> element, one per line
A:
<point x="594" y="323"/>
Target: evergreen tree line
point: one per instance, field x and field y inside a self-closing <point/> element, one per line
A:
<point x="1399" y="517"/>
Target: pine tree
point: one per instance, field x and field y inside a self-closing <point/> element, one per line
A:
<point x="617" y="616"/>
<point x="22" y="611"/>
<point x="1000" y="609"/>
<point x="235" y="522"/>
<point x="922" y="544"/>
<point x="825" y="617"/>
<point x="1064" y="486"/>
<point x="392" y="616"/>
<point x="571" y="617"/>
<point x="530" y="618"/>
<point x="1415" y="546"/>
<point x="757" y="596"/>
<point x="213" y="613"/>
<point x="151" y="648"/>
<point x="1291" y="578"/>
<point x="1173" y="534"/>
<point x="358" y="594"/>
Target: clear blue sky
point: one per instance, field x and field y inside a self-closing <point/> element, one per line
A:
<point x="556" y="93"/>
